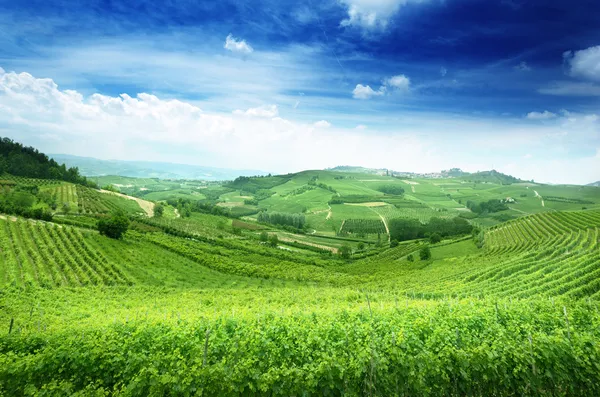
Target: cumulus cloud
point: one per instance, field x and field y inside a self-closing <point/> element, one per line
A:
<point x="545" y="115"/>
<point x="267" y="111"/>
<point x="399" y="82"/>
<point x="366" y="92"/>
<point x="361" y="127"/>
<point x="584" y="63"/>
<point x="322" y="124"/>
<point x="146" y="127"/>
<point x="372" y="14"/>
<point x="237" y="46"/>
<point x="443" y="71"/>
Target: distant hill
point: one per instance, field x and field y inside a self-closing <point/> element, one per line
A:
<point x="359" y="170"/>
<point x="89" y="166"/>
<point x="492" y="176"/>
<point x="594" y="184"/>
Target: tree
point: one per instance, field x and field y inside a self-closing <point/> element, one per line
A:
<point x="393" y="243"/>
<point x="425" y="253"/>
<point x="264" y="237"/>
<point x="273" y="240"/>
<point x="410" y="258"/>
<point x="115" y="226"/>
<point x="435" y="238"/>
<point x="361" y="246"/>
<point x="66" y="208"/>
<point x="159" y="210"/>
<point x="345" y="251"/>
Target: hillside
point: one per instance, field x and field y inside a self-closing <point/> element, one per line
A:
<point x="594" y="184"/>
<point x="298" y="284"/>
<point x="92" y="167"/>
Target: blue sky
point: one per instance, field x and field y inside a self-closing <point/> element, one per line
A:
<point x="412" y="85"/>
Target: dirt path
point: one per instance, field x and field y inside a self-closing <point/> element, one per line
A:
<point x="329" y="213"/>
<point x="538" y="195"/>
<point x="521" y="211"/>
<point x="412" y="187"/>
<point x="177" y="215"/>
<point x="325" y="247"/>
<point x="147" y="206"/>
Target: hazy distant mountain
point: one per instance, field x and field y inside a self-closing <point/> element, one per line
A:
<point x="89" y="166"/>
<point x="594" y="184"/>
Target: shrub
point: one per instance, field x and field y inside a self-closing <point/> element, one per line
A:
<point x="115" y="226"/>
<point x="435" y="238"/>
<point x="425" y="253"/>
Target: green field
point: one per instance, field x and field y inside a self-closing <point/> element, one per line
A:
<point x="201" y="305"/>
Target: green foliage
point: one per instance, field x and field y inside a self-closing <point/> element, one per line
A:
<point x="284" y="219"/>
<point x="410" y="229"/>
<point x="115" y="226"/>
<point x="159" y="210"/>
<point x="26" y="161"/>
<point x="273" y="240"/>
<point x="425" y="253"/>
<point x="345" y="251"/>
<point x="486" y="206"/>
<point x="392" y="189"/>
<point x="435" y="238"/>
<point x="264" y="237"/>
<point x="394" y="243"/>
<point x="410" y="258"/>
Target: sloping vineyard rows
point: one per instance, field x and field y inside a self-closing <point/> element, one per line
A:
<point x="40" y="254"/>
<point x="91" y="201"/>
<point x="390" y="212"/>
<point x="568" y="264"/>
<point x="523" y="233"/>
<point x="30" y="181"/>
<point x="363" y="226"/>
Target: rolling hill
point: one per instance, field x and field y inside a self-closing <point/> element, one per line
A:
<point x="206" y="300"/>
<point x="92" y="167"/>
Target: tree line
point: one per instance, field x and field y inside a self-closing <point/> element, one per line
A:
<point x="284" y="219"/>
<point x="19" y="160"/>
<point x="402" y="229"/>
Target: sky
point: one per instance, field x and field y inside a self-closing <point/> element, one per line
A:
<point x="283" y="86"/>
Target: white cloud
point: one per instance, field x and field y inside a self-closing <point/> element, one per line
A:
<point x="443" y="71"/>
<point x="145" y="127"/>
<point x="366" y="92"/>
<point x="527" y="156"/>
<point x="372" y="14"/>
<point x="584" y="63"/>
<point x="523" y="67"/>
<point x="268" y="111"/>
<point x="1" y="70"/>
<point x="322" y="124"/>
<point x="361" y="127"/>
<point x="238" y="46"/>
<point x="545" y="115"/>
<point x="400" y="82"/>
<point x="571" y="88"/>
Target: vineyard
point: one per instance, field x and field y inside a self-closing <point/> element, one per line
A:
<point x="199" y="305"/>
<point x="523" y="233"/>
<point x="91" y="201"/>
<point x="423" y="214"/>
<point x="362" y="226"/>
